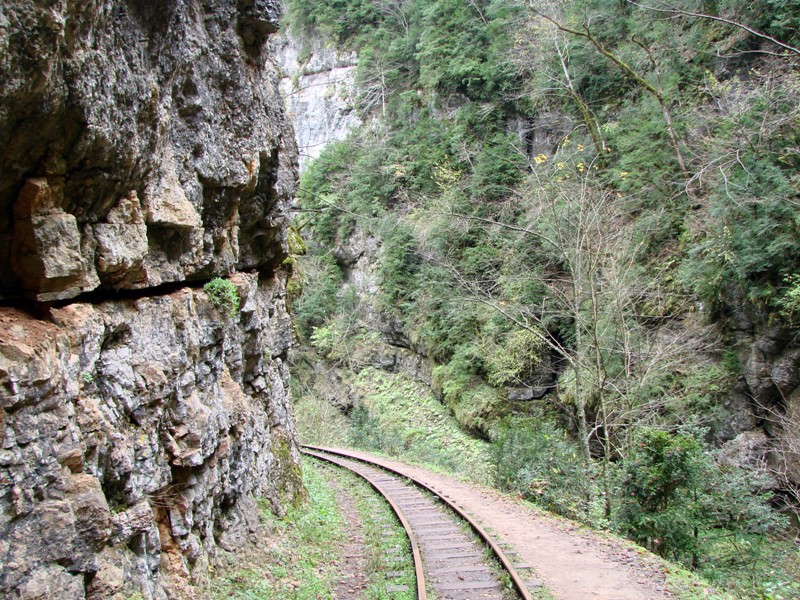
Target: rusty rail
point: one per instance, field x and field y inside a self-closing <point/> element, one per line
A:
<point x="501" y="556"/>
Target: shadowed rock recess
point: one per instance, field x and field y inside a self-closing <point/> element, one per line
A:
<point x="144" y="151"/>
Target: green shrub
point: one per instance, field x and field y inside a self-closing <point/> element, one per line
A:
<point x="321" y="277"/>
<point x="455" y="378"/>
<point x="678" y="502"/>
<point x="344" y="341"/>
<point x="223" y="294"/>
<point x="660" y="491"/>
<point x="479" y="407"/>
<point x="535" y="458"/>
<point x="789" y="299"/>
<point x="498" y="168"/>
<point x="366" y="431"/>
<point x="515" y="360"/>
<point x="398" y="268"/>
<point x="319" y="421"/>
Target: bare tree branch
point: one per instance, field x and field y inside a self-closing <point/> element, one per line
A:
<point x="656" y="92"/>
<point x="677" y="11"/>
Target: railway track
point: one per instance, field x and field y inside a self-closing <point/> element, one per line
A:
<point x="448" y="559"/>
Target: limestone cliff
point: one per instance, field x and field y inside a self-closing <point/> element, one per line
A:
<point x="319" y="82"/>
<point x="144" y="151"/>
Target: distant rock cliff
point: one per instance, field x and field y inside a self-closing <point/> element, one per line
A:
<point x="144" y="151"/>
<point x="319" y="82"/>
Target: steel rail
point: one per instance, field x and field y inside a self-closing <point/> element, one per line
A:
<point x="519" y="584"/>
<point x="422" y="594"/>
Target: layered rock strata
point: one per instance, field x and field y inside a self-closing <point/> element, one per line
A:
<point x="144" y="151"/>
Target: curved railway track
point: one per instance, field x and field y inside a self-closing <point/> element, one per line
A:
<point x="447" y="559"/>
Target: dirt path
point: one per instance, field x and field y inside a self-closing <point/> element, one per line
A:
<point x="574" y="563"/>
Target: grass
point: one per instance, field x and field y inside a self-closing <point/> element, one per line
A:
<point x="396" y="416"/>
<point x="384" y="537"/>
<point x="401" y="418"/>
<point x="319" y="422"/>
<point x="297" y="563"/>
<point x="755" y="568"/>
<point x="690" y="586"/>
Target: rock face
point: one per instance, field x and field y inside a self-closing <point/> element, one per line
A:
<point x="144" y="144"/>
<point x="319" y="82"/>
<point x="137" y="434"/>
<point x="770" y="364"/>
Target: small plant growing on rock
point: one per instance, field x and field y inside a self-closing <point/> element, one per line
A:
<point x="223" y="294"/>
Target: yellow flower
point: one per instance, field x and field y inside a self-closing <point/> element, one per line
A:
<point x="560" y="165"/>
<point x="540" y="158"/>
<point x="580" y="147"/>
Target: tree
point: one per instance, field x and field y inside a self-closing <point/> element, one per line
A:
<point x="676" y="499"/>
<point x="587" y="303"/>
<point x="660" y="494"/>
<point x="546" y="78"/>
<point x="653" y="84"/>
<point x="670" y="8"/>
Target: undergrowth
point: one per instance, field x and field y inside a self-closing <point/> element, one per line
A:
<point x="386" y="547"/>
<point x="320" y="423"/>
<point x="398" y="417"/>
<point x="298" y="561"/>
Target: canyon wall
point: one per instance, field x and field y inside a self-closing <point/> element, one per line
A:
<point x="145" y="151"/>
<point x="319" y="82"/>
<point x="748" y="355"/>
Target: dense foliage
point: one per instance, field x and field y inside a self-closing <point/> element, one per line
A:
<point x="566" y="196"/>
<point x="676" y="500"/>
